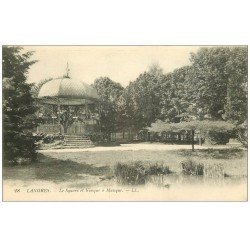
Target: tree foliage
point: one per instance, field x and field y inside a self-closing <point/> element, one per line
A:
<point x="109" y="92"/>
<point x="140" y="104"/>
<point x="216" y="82"/>
<point x="213" y="87"/>
<point x="203" y="127"/>
<point x="18" y="105"/>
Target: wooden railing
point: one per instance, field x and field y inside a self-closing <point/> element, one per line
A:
<point x="74" y="129"/>
<point x="49" y="128"/>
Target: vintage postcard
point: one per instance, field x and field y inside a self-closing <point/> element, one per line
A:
<point x="124" y="123"/>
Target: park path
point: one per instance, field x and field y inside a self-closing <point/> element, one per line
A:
<point x="131" y="147"/>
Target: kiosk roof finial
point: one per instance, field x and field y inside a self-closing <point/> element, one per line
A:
<point x="67" y="71"/>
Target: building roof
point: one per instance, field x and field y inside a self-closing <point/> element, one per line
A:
<point x="69" y="88"/>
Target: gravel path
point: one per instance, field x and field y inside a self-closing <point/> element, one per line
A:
<point x="132" y="147"/>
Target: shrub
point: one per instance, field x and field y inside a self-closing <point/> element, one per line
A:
<point x="136" y="173"/>
<point x="48" y="139"/>
<point x="38" y="136"/>
<point x="218" y="138"/>
<point x="158" y="169"/>
<point x="242" y="133"/>
<point x="58" y="136"/>
<point x="95" y="136"/>
<point x="190" y="167"/>
<point x="131" y="174"/>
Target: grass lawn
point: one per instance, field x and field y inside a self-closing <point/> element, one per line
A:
<point x="77" y="166"/>
<point x="234" y="160"/>
<point x="48" y="169"/>
<point x="88" y="169"/>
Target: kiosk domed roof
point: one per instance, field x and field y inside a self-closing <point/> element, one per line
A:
<point x="66" y="87"/>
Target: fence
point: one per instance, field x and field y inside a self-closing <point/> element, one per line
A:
<point x="76" y="128"/>
<point x="122" y="136"/>
<point x="49" y="128"/>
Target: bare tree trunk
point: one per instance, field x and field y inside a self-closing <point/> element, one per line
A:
<point x="192" y="140"/>
<point x="148" y="139"/>
<point x="200" y="141"/>
<point x="109" y="137"/>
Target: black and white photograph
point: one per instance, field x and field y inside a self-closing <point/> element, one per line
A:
<point x="125" y="123"/>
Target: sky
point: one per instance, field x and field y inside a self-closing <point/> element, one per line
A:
<point x="121" y="63"/>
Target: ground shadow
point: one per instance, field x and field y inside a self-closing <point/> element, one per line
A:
<point x="50" y="169"/>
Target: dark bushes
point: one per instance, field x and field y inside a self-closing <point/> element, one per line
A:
<point x="131" y="174"/>
<point x="242" y="133"/>
<point x="47" y="138"/>
<point x="136" y="173"/>
<point x="158" y="169"/>
<point x="218" y="138"/>
<point x="190" y="167"/>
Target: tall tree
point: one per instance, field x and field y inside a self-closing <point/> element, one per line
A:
<point x="18" y="105"/>
<point x="142" y="99"/>
<point x="216" y="81"/>
<point x="236" y="99"/>
<point x="174" y="101"/>
<point x="109" y="92"/>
